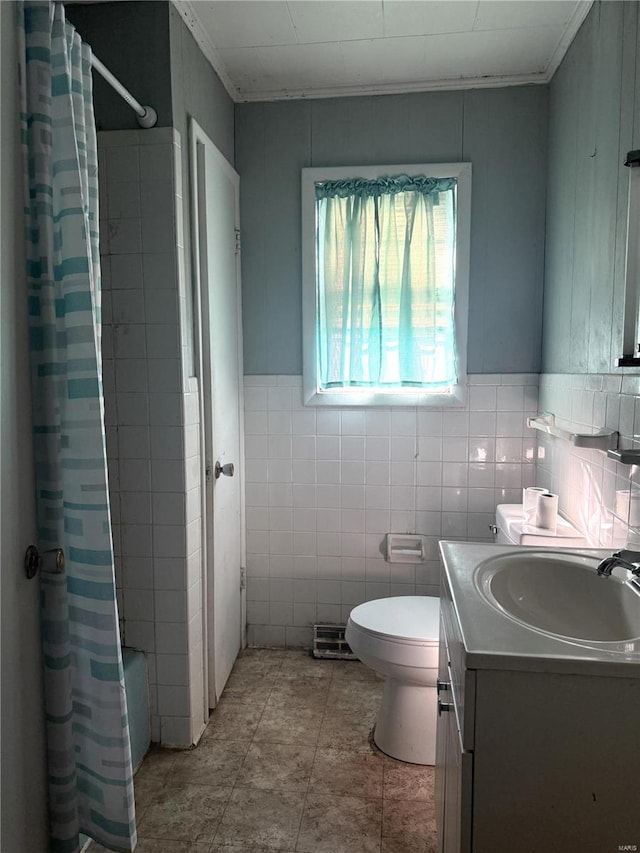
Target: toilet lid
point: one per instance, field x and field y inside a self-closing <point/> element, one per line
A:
<point x="405" y="617"/>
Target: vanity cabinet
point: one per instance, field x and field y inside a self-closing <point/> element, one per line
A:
<point x="454" y="763"/>
<point x="530" y="757"/>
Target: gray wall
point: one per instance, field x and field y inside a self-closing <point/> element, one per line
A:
<point x="594" y="121"/>
<point x="502" y="132"/>
<point x="149" y="48"/>
<point x="132" y="39"/>
<point x="23" y="821"/>
<point x="197" y="91"/>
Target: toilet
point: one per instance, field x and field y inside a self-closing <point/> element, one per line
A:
<point x="399" y="638"/>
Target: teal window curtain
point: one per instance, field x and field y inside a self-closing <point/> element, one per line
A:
<point x="88" y="747"/>
<point x="385" y="283"/>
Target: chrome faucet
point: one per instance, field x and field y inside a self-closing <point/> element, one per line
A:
<point x="629" y="560"/>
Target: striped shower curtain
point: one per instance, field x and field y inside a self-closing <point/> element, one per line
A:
<point x="88" y="748"/>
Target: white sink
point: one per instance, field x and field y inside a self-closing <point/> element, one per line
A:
<point x="559" y="594"/>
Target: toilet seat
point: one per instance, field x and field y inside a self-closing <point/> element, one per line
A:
<point x="407" y="619"/>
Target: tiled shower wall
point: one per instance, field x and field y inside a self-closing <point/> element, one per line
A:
<point x="324" y="486"/>
<point x="152" y="416"/>
<point x="594" y="491"/>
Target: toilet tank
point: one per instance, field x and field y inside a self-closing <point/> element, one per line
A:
<point x="511" y="530"/>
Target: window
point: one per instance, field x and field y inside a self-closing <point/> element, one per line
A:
<point x="385" y="279"/>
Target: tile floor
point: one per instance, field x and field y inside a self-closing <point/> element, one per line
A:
<point x="285" y="764"/>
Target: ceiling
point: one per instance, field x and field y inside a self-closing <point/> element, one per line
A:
<point x="267" y="50"/>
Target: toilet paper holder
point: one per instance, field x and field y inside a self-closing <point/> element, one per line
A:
<point x="405" y="548"/>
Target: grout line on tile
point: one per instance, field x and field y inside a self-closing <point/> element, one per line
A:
<point x="315" y="754"/>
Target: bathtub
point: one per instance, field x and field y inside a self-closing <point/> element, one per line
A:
<point x="136" y="686"/>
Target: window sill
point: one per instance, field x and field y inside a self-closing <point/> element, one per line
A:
<point x="455" y="398"/>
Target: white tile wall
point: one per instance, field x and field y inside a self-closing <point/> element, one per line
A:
<point x="593" y="490"/>
<point x="152" y="415"/>
<point x="324" y="487"/>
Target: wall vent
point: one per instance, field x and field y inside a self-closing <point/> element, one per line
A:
<point x="329" y="642"/>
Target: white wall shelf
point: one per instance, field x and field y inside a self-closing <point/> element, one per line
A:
<point x="602" y="439"/>
<point x="625" y="457"/>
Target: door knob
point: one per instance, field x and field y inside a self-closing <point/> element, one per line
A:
<point x="51" y="561"/>
<point x="228" y="470"/>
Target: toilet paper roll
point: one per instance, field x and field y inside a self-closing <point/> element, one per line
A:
<point x="530" y="497"/>
<point x="547" y="511"/>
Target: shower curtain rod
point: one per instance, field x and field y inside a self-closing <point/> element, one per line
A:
<point x="147" y="116"/>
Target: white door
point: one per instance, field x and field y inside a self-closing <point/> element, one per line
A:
<point x="215" y="188"/>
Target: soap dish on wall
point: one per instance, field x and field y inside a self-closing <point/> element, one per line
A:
<point x="601" y="439"/>
<point x="405" y="548"/>
<point x="625" y="457"/>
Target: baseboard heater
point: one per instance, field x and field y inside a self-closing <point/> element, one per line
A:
<point x="329" y="642"/>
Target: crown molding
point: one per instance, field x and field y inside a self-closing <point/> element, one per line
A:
<point x="575" y="22"/>
<point x="185" y="9"/>
<point x="452" y="85"/>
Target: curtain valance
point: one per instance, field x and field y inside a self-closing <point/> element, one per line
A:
<point x="363" y="188"/>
